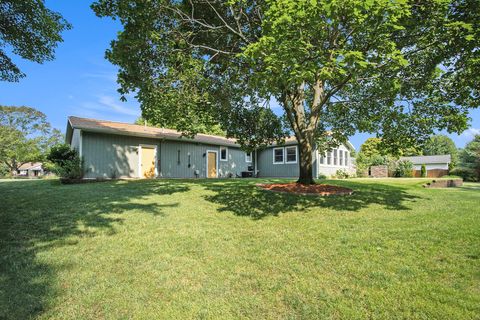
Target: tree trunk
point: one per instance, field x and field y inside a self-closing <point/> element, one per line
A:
<point x="13" y="167"/>
<point x="305" y="148"/>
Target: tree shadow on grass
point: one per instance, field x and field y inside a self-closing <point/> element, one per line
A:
<point x="37" y="215"/>
<point x="245" y="199"/>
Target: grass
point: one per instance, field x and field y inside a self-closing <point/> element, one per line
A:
<point x="223" y="249"/>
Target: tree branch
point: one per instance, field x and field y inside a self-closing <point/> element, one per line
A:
<point x="238" y="33"/>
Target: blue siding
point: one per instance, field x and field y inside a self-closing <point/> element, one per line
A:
<point x="171" y="167"/>
<point x="108" y="156"/>
<point x="286" y="170"/>
<point x="268" y="169"/>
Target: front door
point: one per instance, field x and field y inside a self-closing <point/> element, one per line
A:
<point x="212" y="164"/>
<point x="148" y="162"/>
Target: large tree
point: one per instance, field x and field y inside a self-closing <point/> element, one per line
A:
<point x="30" y="30"/>
<point x="398" y="68"/>
<point x="25" y="136"/>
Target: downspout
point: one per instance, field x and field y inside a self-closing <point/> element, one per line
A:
<point x="80" y="140"/>
<point x="255" y="164"/>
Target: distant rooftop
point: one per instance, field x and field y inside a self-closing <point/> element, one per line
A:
<point x="30" y="166"/>
<point x="445" y="158"/>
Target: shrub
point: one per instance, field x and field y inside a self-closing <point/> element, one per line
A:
<point x="378" y="160"/>
<point x="404" y="168"/>
<point x="342" y="174"/>
<point x="66" y="162"/>
<point x="361" y="173"/>
<point x="391" y="167"/>
<point x="451" y="166"/>
<point x="4" y="171"/>
<point x="61" y="153"/>
<point x="423" y="171"/>
<point x="467" y="174"/>
<point x="321" y="176"/>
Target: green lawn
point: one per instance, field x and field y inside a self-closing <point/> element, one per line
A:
<point x="178" y="249"/>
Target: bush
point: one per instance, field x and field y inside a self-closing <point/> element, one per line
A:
<point x="66" y="162"/>
<point x="404" y="168"/>
<point x="321" y="176"/>
<point x="361" y="173"/>
<point x="423" y="171"/>
<point x="61" y="153"/>
<point x="451" y="166"/>
<point x="342" y="174"/>
<point x="378" y="160"/>
<point x="467" y="174"/>
<point x="4" y="171"/>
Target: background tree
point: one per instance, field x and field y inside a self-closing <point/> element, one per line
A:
<point x="373" y="152"/>
<point x="25" y="136"/>
<point x="440" y="144"/>
<point x="213" y="128"/>
<point x="371" y="147"/>
<point x="31" y="30"/>
<point x="469" y="161"/>
<point x="370" y="154"/>
<point x="398" y="68"/>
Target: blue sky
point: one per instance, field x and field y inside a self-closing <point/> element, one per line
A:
<point x="81" y="82"/>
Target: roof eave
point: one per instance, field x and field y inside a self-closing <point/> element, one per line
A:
<point x="153" y="136"/>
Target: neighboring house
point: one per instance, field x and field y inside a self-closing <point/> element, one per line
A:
<point x="30" y="169"/>
<point x="120" y="150"/>
<point x="436" y="166"/>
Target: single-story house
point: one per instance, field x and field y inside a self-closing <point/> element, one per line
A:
<point x="121" y="150"/>
<point x="436" y="166"/>
<point x="30" y="169"/>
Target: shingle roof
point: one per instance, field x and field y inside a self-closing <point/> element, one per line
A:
<point x="152" y="132"/>
<point x="445" y="158"/>
<point x="30" y="165"/>
<point x="144" y="131"/>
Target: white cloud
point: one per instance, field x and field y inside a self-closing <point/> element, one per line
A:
<point x="107" y="107"/>
<point x="110" y="102"/>
<point x="470" y="133"/>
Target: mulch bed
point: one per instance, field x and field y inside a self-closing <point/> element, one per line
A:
<point x="311" y="190"/>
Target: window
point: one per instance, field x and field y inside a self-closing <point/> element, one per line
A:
<point x="322" y="159"/>
<point x="346" y="158"/>
<point x="248" y="157"/>
<point x="223" y="153"/>
<point x="277" y="155"/>
<point x="291" y="154"/>
<point x="341" y="157"/>
<point x="335" y="159"/>
<point x="329" y="158"/>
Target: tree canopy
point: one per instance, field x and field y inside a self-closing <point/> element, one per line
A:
<point x="440" y="144"/>
<point x="371" y="147"/>
<point x="31" y="31"/>
<point x="397" y="68"/>
<point x="25" y="136"/>
<point x="213" y="129"/>
<point x="470" y="157"/>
